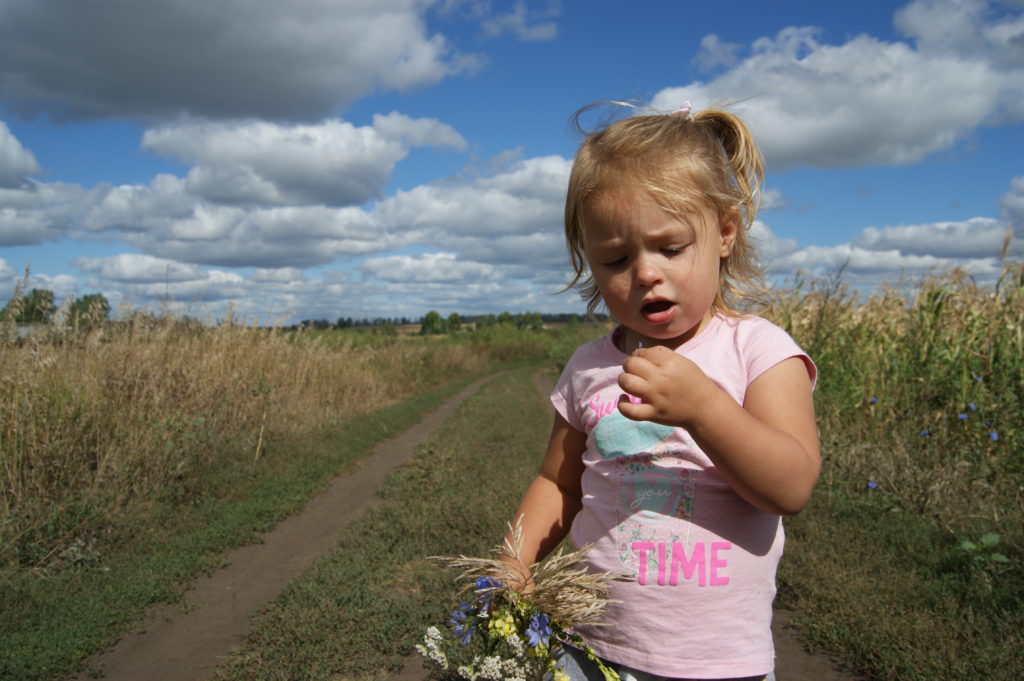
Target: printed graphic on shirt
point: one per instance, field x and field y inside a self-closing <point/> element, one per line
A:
<point x="655" y="504"/>
<point x="617" y="436"/>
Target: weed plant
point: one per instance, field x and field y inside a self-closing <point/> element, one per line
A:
<point x="908" y="562"/>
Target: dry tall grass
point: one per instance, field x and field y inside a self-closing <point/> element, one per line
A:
<point x="123" y="408"/>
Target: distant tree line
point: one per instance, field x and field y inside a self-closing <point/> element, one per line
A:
<point x="433" y="323"/>
<point x="38" y="307"/>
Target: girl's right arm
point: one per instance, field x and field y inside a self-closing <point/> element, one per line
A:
<point x="553" y="498"/>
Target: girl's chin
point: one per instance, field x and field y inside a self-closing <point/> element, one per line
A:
<point x="671" y="335"/>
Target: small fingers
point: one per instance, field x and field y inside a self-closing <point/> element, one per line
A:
<point x="633" y="409"/>
<point x="630" y="382"/>
<point x="626" y="406"/>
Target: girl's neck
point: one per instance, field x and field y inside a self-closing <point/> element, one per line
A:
<point x="629" y="341"/>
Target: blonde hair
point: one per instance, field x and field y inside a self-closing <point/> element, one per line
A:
<point x="685" y="162"/>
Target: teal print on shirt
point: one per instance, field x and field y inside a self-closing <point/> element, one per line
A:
<point x="617" y="436"/>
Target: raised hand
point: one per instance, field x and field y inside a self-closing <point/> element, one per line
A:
<point x="668" y="388"/>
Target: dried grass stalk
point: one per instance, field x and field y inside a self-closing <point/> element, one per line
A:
<point x="560" y="585"/>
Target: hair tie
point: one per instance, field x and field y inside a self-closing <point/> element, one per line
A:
<point x="683" y="111"/>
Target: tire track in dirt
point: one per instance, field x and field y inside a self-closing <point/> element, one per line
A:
<point x="186" y="642"/>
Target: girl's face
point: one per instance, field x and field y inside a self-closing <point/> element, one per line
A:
<point x="657" y="273"/>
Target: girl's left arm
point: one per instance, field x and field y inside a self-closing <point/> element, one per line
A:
<point x="766" y="449"/>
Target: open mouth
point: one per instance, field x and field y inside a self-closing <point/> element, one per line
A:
<point x="656" y="307"/>
<point x="658" y="311"/>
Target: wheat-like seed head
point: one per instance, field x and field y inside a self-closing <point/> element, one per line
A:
<point x="561" y="585"/>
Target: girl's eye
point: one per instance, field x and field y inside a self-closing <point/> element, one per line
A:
<point x="618" y="262"/>
<point x="673" y="250"/>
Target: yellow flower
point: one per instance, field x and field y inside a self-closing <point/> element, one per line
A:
<point x="559" y="675"/>
<point x="502" y="624"/>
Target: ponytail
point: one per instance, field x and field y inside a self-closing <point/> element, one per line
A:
<point x="742" y="155"/>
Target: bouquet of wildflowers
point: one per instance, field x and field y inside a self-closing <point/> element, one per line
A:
<point x="499" y="633"/>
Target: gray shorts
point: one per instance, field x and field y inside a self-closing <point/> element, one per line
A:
<point x="578" y="668"/>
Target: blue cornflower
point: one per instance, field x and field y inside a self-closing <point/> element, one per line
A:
<point x="539" y="630"/>
<point x="994" y="436"/>
<point x="872" y="484"/>
<point x="972" y="406"/>
<point x="872" y="400"/>
<point x="486" y="589"/>
<point x="962" y="417"/>
<point x="462" y="628"/>
<point x="925" y="433"/>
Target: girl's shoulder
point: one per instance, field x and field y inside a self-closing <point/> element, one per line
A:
<point x="749" y="327"/>
<point x="758" y="344"/>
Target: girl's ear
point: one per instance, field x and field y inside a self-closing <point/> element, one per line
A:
<point x="728" y="225"/>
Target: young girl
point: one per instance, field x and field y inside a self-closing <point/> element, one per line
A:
<point x="680" y="438"/>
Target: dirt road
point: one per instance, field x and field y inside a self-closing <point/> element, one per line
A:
<point x="177" y="643"/>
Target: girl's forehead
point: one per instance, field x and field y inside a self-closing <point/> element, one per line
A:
<point x="629" y="204"/>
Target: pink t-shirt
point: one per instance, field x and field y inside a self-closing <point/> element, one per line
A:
<point x="701" y="560"/>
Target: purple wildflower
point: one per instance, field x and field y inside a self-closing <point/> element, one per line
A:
<point x="461" y="624"/>
<point x="486" y="589"/>
<point x="539" y="631"/>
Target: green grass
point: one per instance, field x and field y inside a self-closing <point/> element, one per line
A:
<point x="50" y="623"/>
<point x="358" y="612"/>
<point x="895" y="595"/>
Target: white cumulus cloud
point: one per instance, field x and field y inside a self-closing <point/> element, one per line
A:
<point x="296" y="60"/>
<point x="138" y="268"/>
<point x="869" y="101"/>
<point x="333" y="162"/>
<point x="1012" y="206"/>
<point x="428" y="267"/>
<point x="715" y="53"/>
<point x="517" y="22"/>
<point x="16" y="162"/>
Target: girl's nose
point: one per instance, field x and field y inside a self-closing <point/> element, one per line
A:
<point x="647" y="274"/>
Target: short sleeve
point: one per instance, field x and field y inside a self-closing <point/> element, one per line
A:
<point x="766" y="345"/>
<point x="563" y="397"/>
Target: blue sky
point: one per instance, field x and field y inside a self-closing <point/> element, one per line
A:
<point x="364" y="158"/>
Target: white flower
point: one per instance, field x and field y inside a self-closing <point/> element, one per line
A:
<point x="431" y="648"/>
<point x="514" y="670"/>
<point x="515" y="642"/>
<point x="490" y="668"/>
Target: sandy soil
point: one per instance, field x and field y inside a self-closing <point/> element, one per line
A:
<point x="187" y="642"/>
